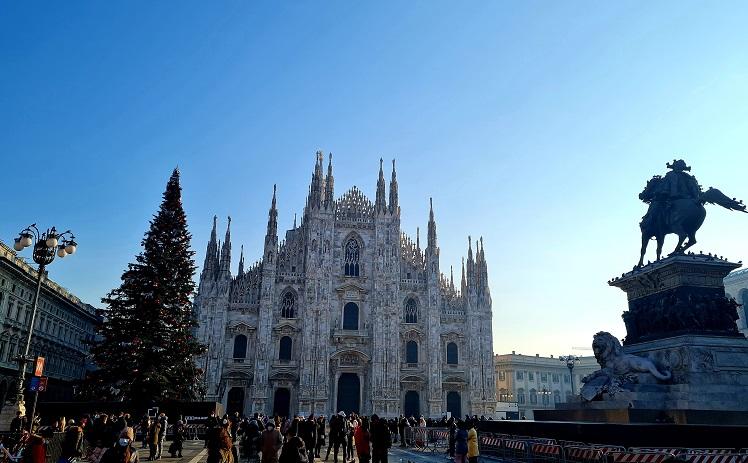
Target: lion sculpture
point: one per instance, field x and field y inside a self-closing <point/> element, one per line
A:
<point x="616" y="367"/>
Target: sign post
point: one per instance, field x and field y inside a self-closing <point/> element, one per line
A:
<point x="37" y="384"/>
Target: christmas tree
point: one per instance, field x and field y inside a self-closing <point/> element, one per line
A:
<point x="145" y="350"/>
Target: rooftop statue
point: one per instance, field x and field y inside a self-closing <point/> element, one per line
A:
<point x="676" y="205"/>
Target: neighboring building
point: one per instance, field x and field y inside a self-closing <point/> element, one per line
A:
<point x="62" y="325"/>
<point x="346" y="313"/>
<point x="533" y="382"/>
<point x="736" y="286"/>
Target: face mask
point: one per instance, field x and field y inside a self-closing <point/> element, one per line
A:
<point x="124" y="442"/>
<point x="270" y="428"/>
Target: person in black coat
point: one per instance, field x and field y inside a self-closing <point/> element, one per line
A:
<point x="381" y="440"/>
<point x="308" y="433"/>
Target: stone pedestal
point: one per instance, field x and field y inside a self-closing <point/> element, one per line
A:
<point x="680" y="319"/>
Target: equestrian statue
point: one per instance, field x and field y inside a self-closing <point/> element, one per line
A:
<point x="676" y="205"/>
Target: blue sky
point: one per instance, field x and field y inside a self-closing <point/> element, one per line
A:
<point x="533" y="124"/>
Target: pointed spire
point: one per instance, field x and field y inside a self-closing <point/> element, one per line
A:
<point x="381" y="203"/>
<point x="418" y="238"/>
<point x="470" y="264"/>
<point x="463" y="281"/>
<point x="393" y="191"/>
<point x="294" y="221"/>
<point x="225" y="262"/>
<point x="271" y="235"/>
<point x="241" y="262"/>
<point x="329" y="185"/>
<point x="210" y="265"/>
<point x="318" y="183"/>
<point x="432" y="227"/>
<point x="451" y="277"/>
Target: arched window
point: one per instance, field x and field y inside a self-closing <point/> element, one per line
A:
<point x="546" y="397"/>
<point x="556" y="397"/>
<point x="411" y="311"/>
<point x="284" y="350"/>
<point x="533" y="397"/>
<point x="288" y="305"/>
<point x="351" y="258"/>
<point x="520" y="396"/>
<point x="411" y="352"/>
<point x="451" y="354"/>
<point x="240" y="347"/>
<point x="350" y="316"/>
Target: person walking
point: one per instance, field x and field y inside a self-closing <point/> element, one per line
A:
<point x="452" y="431"/>
<point x="220" y="444"/>
<point x="401" y="425"/>
<point x="271" y="443"/>
<point x="293" y="450"/>
<point x="461" y="443"/>
<point x="362" y="437"/>
<point x="175" y="449"/>
<point x="153" y="433"/>
<point x="308" y="433"/>
<point x="122" y="451"/>
<point x="145" y="423"/>
<point x="320" y="435"/>
<point x="380" y="439"/>
<point x="472" y="443"/>
<point x="164" y="422"/>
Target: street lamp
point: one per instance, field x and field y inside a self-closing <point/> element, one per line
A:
<point x="46" y="245"/>
<point x="570" y="360"/>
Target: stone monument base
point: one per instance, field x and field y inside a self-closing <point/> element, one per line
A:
<point x="709" y="385"/>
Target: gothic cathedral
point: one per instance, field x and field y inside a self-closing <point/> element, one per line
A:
<point x="346" y="313"/>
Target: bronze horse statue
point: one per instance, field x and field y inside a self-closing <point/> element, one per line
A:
<point x="681" y="216"/>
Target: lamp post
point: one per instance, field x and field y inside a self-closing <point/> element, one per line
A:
<point x="46" y="246"/>
<point x="570" y="360"/>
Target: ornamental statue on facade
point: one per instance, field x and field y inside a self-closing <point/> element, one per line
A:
<point x="676" y="205"/>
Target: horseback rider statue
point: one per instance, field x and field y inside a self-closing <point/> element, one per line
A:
<point x="676" y="205"/>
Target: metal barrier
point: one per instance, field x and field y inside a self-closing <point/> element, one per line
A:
<point x="713" y="450"/>
<point x="547" y="453"/>
<point x="674" y="450"/>
<point x="606" y="449"/>
<point x="512" y="449"/>
<point x="714" y="457"/>
<point x="428" y="439"/>
<point x="583" y="454"/>
<point x="639" y="457"/>
<point x="489" y="445"/>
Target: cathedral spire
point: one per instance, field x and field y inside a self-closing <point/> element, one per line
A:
<point x="224" y="265"/>
<point x="271" y="236"/>
<point x="381" y="203"/>
<point x="418" y="238"/>
<point x="317" y="186"/>
<point x="470" y="264"/>
<point x="329" y="185"/>
<point x="241" y="262"/>
<point x="294" y="221"/>
<point x="393" y="191"/>
<point x="451" y="277"/>
<point x="432" y="227"/>
<point x="210" y="265"/>
<point x="463" y="282"/>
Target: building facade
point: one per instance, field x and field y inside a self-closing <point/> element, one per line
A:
<point x="736" y="286"/>
<point x="346" y="313"/>
<point x="63" y="323"/>
<point x="533" y="382"/>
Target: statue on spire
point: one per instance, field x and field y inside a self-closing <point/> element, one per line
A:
<point x="676" y="205"/>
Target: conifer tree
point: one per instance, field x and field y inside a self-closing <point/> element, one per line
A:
<point x="146" y="346"/>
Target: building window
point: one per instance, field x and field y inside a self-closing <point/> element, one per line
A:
<point x="451" y="354"/>
<point x="520" y="375"/>
<point x="502" y="376"/>
<point x="351" y="258"/>
<point x="566" y="379"/>
<point x="288" y="305"/>
<point x="520" y="396"/>
<point x="546" y="397"/>
<point x="411" y="311"/>
<point x="544" y="377"/>
<point x="350" y="316"/>
<point x="556" y="377"/>
<point x="533" y="397"/>
<point x="531" y="376"/>
<point x="240" y="347"/>
<point x="556" y="396"/>
<point x="411" y="352"/>
<point x="284" y="350"/>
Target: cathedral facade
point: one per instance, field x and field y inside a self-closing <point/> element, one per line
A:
<point x="346" y="312"/>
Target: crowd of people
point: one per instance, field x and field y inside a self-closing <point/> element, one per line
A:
<point x="351" y="437"/>
<point x="102" y="438"/>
